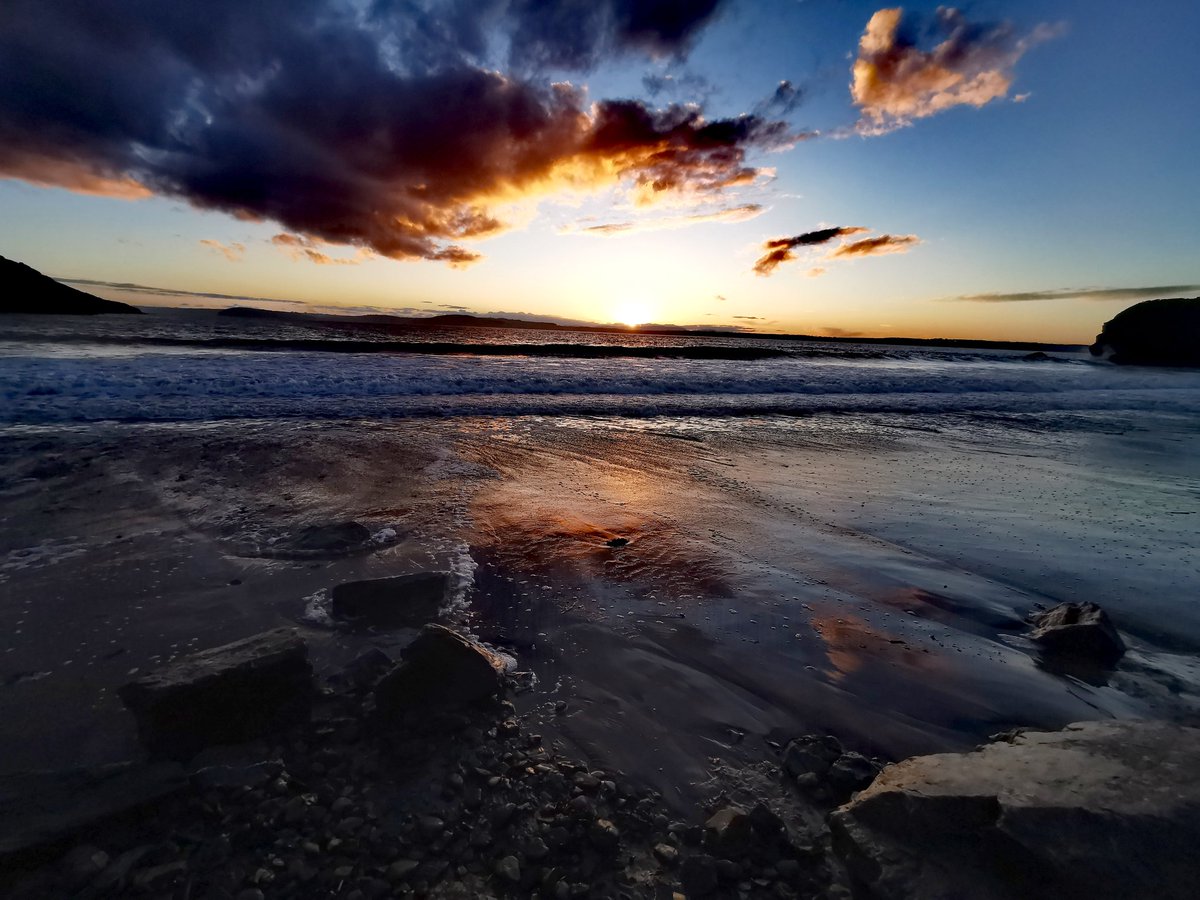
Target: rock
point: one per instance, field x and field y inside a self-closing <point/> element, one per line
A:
<point x="368" y="667"/>
<point x="605" y="835"/>
<point x="405" y="601"/>
<point x="26" y="290"/>
<point x="766" y="823"/>
<point x="509" y="869"/>
<point x="1098" y="810"/>
<point x="41" y="809"/>
<point x="698" y="875"/>
<point x="1080" y="631"/>
<point x="252" y="776"/>
<point x="1153" y="333"/>
<point x="666" y="854"/>
<point x="1037" y="356"/>
<point x="441" y="669"/>
<point x="616" y="542"/>
<point x="337" y="538"/>
<point x="811" y="754"/>
<point x="729" y="832"/>
<point x="401" y="869"/>
<point x="226" y="695"/>
<point x="849" y="773"/>
<point x="156" y="878"/>
<point x="83" y="864"/>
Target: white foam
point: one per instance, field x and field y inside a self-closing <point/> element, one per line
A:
<point x="317" y="610"/>
<point x="322" y="385"/>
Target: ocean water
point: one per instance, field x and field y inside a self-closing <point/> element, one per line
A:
<point x="191" y="368"/>
<point x="820" y="537"/>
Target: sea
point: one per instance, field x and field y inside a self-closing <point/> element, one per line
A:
<point x="702" y="545"/>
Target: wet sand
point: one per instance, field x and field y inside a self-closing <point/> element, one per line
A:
<point x="861" y="575"/>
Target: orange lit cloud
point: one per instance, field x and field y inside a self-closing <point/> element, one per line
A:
<point x="877" y="246"/>
<point x="895" y="82"/>
<point x="232" y="252"/>
<point x="779" y="250"/>
<point x="299" y="247"/>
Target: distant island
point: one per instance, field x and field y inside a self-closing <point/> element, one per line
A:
<point x="462" y="320"/>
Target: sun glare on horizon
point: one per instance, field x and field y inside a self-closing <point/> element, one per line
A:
<point x="633" y="311"/>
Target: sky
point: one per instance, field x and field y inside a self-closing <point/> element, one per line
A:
<point x="1002" y="170"/>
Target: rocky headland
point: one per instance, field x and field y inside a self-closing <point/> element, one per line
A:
<point x="27" y="291"/>
<point x="1153" y="333"/>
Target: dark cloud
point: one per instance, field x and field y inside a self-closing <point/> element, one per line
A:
<point x="751" y="318"/>
<point x="688" y="84"/>
<point x="1099" y="293"/>
<point x="381" y="125"/>
<point x="877" y="246"/>
<point x="971" y="64"/>
<point x="784" y="100"/>
<point x="779" y="250"/>
<point x="578" y="34"/>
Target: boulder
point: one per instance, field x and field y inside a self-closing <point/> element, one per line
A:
<point x="334" y="538"/>
<point x="729" y="833"/>
<point x="440" y="670"/>
<point x="811" y="754"/>
<point x="405" y="601"/>
<point x="1078" y="630"/>
<point x="225" y="695"/>
<point x="1153" y="333"/>
<point x="1098" y="810"/>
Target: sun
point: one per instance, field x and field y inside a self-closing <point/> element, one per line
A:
<point x="633" y="311"/>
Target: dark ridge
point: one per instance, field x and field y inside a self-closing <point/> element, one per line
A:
<point x="462" y="320"/>
<point x="27" y="291"/>
<point x="438" y="348"/>
<point x="1153" y="333"/>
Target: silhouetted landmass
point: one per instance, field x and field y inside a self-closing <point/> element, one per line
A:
<point x="469" y="321"/>
<point x="1153" y="333"/>
<point x="26" y="290"/>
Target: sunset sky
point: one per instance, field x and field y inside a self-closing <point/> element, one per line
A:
<point x="1007" y="170"/>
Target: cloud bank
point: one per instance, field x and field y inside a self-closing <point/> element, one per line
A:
<point x="399" y="126"/>
<point x="894" y="81"/>
<point x="1100" y="293"/>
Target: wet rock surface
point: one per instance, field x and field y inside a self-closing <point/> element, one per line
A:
<point x="228" y="694"/>
<point x="441" y="670"/>
<point x="466" y="805"/>
<point x="1078" y="631"/>
<point x="1100" y="809"/>
<point x="404" y="601"/>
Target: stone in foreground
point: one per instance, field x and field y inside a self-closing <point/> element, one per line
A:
<point x="225" y="695"/>
<point x="1079" y="630"/>
<point x="1098" y="810"/>
<point x="442" y="669"/>
<point x="405" y="601"/>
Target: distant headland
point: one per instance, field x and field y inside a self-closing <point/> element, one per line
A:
<point x="26" y="290"/>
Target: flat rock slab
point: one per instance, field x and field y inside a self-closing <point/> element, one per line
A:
<point x="226" y="695"/>
<point x="441" y="670"/>
<point x="405" y="601"/>
<point x="1098" y="810"/>
<point x="42" y="810"/>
